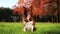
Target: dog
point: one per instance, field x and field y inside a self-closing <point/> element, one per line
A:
<point x="29" y="24"/>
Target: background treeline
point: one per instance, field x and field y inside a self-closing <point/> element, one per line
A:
<point x="6" y="15"/>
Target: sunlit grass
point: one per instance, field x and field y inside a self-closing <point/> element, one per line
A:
<point x="17" y="28"/>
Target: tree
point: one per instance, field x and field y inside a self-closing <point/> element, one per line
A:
<point x="41" y="8"/>
<point x="5" y="14"/>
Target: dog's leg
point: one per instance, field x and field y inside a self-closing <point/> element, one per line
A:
<point x="24" y="29"/>
<point x="32" y="29"/>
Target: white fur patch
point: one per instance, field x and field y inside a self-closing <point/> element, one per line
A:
<point x="29" y="26"/>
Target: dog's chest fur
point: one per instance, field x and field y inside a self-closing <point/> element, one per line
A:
<point x="28" y="25"/>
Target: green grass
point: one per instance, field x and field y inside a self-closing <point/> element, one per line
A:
<point x="17" y="28"/>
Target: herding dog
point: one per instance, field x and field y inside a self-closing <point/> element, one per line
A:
<point x="29" y="24"/>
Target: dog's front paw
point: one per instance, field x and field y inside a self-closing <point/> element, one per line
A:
<point x="32" y="29"/>
<point x="24" y="29"/>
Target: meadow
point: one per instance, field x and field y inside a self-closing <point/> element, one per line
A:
<point x="41" y="28"/>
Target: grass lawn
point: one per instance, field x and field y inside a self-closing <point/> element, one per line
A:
<point x="17" y="28"/>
